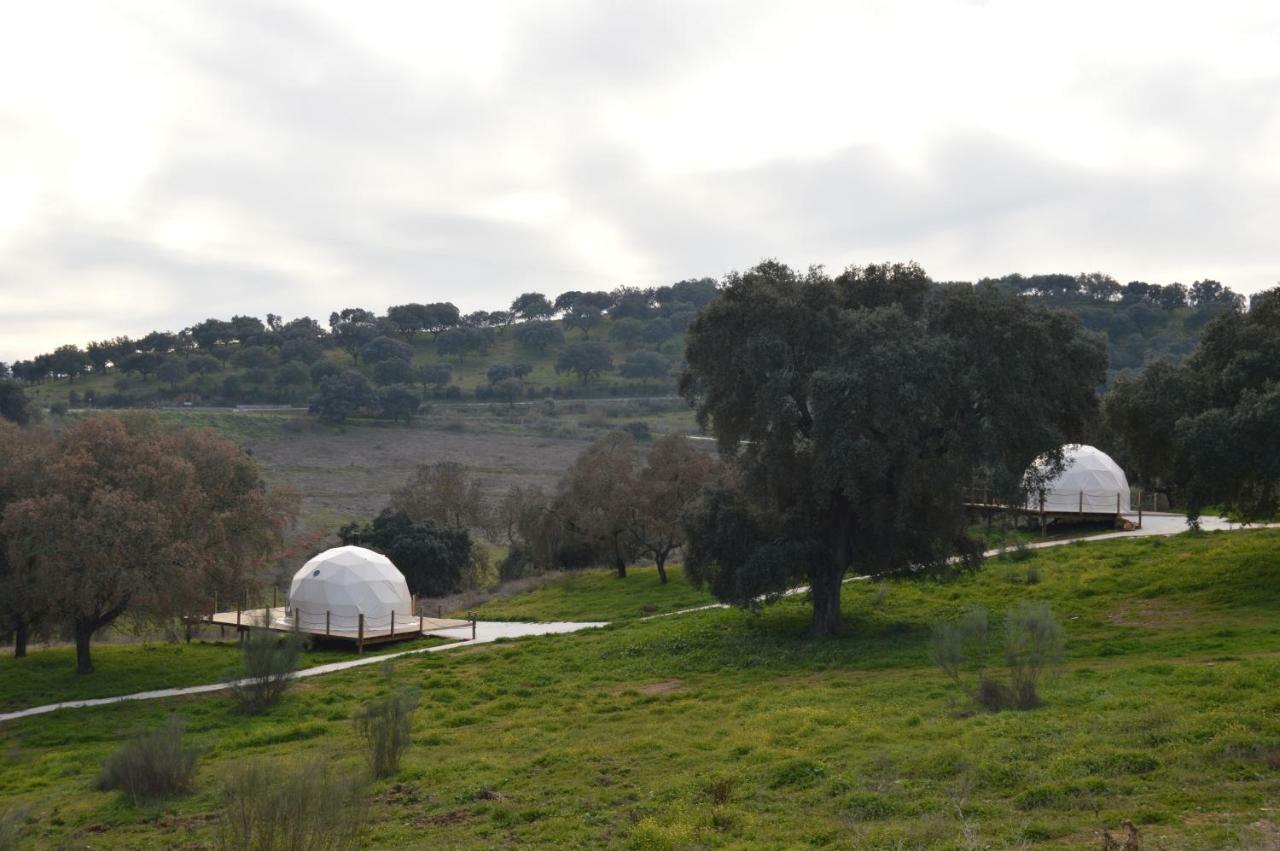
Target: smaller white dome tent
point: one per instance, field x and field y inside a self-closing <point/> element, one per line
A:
<point x="1090" y="482"/>
<point x="347" y="582"/>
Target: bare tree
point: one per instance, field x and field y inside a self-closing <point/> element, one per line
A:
<point x="671" y="480"/>
<point x="594" y="498"/>
<point x="444" y="494"/>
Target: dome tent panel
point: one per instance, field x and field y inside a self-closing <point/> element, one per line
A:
<point x="1090" y="482"/>
<point x="346" y="582"/>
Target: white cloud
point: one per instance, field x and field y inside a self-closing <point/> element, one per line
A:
<point x="164" y="162"/>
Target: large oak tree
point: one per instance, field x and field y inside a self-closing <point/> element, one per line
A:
<point x="856" y="409"/>
<point x="128" y="515"/>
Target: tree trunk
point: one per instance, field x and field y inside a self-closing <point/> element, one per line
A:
<point x="661" y="561"/>
<point x="21" y="632"/>
<point x="620" y="564"/>
<point x="83" y="633"/>
<point x="825" y="591"/>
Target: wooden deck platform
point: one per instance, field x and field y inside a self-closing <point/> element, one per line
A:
<point x="398" y="628"/>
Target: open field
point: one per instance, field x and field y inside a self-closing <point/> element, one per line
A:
<point x="721" y="728"/>
<point x="347" y="472"/>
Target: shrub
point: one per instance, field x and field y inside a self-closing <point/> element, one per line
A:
<point x="960" y="643"/>
<point x="719" y="790"/>
<point x="151" y="766"/>
<point x="1033" y="645"/>
<point x="386" y="725"/>
<point x="267" y="663"/>
<point x="276" y="806"/>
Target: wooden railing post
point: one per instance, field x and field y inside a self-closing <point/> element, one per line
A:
<point x="360" y="635"/>
<point x="393" y="623"/>
<point x="297" y="622"/>
<point x="419" y="622"/>
<point x="1140" y="508"/>
<point x="326" y="622"/>
<point x="1082" y="503"/>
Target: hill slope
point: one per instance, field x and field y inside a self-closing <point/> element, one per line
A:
<point x="725" y="729"/>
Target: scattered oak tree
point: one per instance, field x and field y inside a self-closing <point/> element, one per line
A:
<point x="585" y="359"/>
<point x="593" y="499"/>
<point x="854" y="412"/>
<point x="664" y="489"/>
<point x="443" y="494"/>
<point x="131" y="516"/>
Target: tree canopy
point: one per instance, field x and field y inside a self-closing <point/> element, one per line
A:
<point x="128" y="515"/>
<point x="854" y="411"/>
<point x="1206" y="429"/>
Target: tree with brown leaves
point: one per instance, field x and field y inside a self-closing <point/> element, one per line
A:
<point x="128" y="515"/>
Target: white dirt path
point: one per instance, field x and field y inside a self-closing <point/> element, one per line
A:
<point x="486" y="632"/>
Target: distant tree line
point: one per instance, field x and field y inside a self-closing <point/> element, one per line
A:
<point x="244" y="359"/>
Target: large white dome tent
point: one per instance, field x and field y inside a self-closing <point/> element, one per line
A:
<point x="335" y="587"/>
<point x="1090" y="483"/>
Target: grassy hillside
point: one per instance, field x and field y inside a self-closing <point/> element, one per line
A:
<point x="725" y="729"/>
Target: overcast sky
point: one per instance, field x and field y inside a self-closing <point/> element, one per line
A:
<point x="167" y="161"/>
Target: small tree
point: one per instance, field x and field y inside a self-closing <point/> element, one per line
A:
<point x="398" y="401"/>
<point x="670" y="482"/>
<point x="539" y="335"/>
<point x="353" y="328"/>
<point x="172" y="371"/>
<point x="586" y="360"/>
<point x="342" y="396"/>
<point x="14" y="405"/>
<point x="444" y="494"/>
<point x="595" y="496"/>
<point x="433" y="558"/>
<point x="532" y="306"/>
<point x="380" y="349"/>
<point x="434" y="375"/>
<point x="394" y="371"/>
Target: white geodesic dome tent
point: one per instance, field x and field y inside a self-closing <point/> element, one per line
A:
<point x="1090" y="482"/>
<point x="337" y="586"/>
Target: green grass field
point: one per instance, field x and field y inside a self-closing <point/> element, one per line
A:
<point x="725" y="729"/>
<point x="49" y="675"/>
<point x="596" y="595"/>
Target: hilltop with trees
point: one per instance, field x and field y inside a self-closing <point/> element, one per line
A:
<point x="625" y="342"/>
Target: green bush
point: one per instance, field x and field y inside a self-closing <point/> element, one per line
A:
<point x="1033" y="646"/>
<point x="310" y="805"/>
<point x="386" y="725"/>
<point x="151" y="766"/>
<point x="267" y="663"/>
